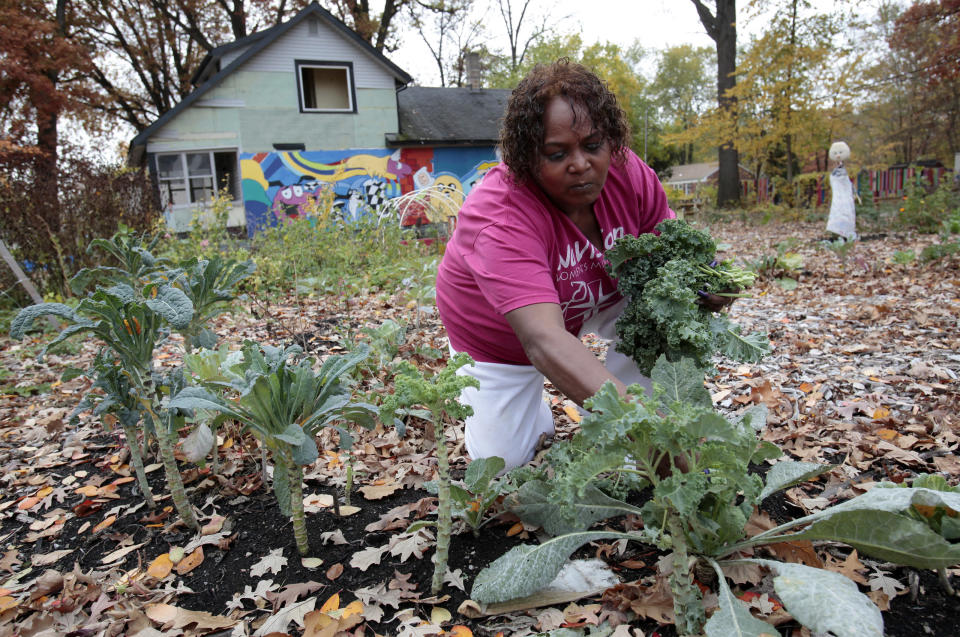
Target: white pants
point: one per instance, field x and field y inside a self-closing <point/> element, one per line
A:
<point x="509" y="413"/>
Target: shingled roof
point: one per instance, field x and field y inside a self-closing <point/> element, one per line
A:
<point x="449" y="116"/>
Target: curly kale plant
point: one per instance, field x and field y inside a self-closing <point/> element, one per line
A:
<point x="662" y="277"/>
<point x="699" y="512"/>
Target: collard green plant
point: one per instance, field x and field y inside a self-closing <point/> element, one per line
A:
<point x="210" y="284"/>
<point x="132" y="311"/>
<point x="438" y="395"/>
<point x="700" y="510"/>
<point x="285" y="404"/>
<point x="663" y="276"/>
<point x="131" y="323"/>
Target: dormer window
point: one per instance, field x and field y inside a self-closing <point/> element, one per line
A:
<point x="325" y="87"/>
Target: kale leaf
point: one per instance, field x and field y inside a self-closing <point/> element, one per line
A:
<point x="660" y="275"/>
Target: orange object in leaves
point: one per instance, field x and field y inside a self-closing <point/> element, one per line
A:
<point x="516" y="528"/>
<point x="332" y="603"/>
<point x="749" y="596"/>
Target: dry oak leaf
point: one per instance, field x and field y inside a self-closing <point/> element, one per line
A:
<point x="653" y="602"/>
<point x="9" y="561"/>
<point x="291" y="593"/>
<point x="378" y="491"/>
<point x="850" y="567"/>
<point x="272" y="562"/>
<point x="282" y="618"/>
<point x="172" y="617"/>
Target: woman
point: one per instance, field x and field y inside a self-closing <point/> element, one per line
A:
<point x="524" y="275"/>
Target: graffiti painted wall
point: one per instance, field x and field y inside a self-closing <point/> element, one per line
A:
<point x="349" y="184"/>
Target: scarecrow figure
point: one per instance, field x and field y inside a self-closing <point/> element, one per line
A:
<point x="843" y="216"/>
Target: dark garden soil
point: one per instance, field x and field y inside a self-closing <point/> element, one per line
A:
<point x="864" y="375"/>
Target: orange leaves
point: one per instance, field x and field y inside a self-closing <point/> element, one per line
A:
<point x="190" y="562"/>
<point x="573" y="413"/>
<point x="105" y="523"/>
<point x="32" y="501"/>
<point x="160" y="567"/>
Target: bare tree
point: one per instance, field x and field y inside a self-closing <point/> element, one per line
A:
<point x="449" y="31"/>
<point x="515" y="19"/>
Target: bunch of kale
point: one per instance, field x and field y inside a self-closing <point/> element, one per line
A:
<point x="661" y="276"/>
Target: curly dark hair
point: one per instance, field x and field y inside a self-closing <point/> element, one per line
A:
<point x="522" y="131"/>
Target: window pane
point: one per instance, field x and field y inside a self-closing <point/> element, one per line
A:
<point x="169" y="166"/>
<point x="226" y="166"/>
<point x="198" y="164"/>
<point x="201" y="189"/>
<point x="326" y="88"/>
<point x="173" y="192"/>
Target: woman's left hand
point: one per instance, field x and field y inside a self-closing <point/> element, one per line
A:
<point x="714" y="302"/>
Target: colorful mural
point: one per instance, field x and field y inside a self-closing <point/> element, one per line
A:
<point x="348" y="184"/>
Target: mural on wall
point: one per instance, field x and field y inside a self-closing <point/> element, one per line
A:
<point x="348" y="184"/>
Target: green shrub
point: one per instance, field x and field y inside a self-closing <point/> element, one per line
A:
<point x="926" y="211"/>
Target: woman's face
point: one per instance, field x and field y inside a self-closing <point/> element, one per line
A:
<point x="574" y="158"/>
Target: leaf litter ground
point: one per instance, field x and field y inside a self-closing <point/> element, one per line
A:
<point x="863" y="375"/>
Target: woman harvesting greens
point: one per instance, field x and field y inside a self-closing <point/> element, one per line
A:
<point x="524" y="273"/>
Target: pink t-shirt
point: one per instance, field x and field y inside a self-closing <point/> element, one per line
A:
<point x="512" y="247"/>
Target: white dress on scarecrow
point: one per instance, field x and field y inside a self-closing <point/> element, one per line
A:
<point x="843" y="215"/>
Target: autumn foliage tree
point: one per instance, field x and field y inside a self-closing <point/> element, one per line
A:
<point x="928" y="34"/>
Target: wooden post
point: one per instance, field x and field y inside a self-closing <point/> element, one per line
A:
<point x="24" y="280"/>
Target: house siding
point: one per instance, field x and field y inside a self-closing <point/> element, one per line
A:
<point x="258" y="104"/>
<point x="329" y="45"/>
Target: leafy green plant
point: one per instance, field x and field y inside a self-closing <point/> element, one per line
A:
<point x="840" y="247"/>
<point x="941" y="520"/>
<point x="479" y="492"/>
<point x="285" y="404"/>
<point x="904" y="257"/>
<point x="385" y="340"/>
<point x="663" y="276"/>
<point x="131" y="323"/>
<point x="939" y="251"/>
<point x="134" y="308"/>
<point x="783" y="267"/>
<point x="438" y="395"/>
<point x="926" y="211"/>
<point x="210" y="284"/>
<point x="698" y="512"/>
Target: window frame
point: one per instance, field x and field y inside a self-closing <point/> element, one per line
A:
<point x="186" y="177"/>
<point x="299" y="65"/>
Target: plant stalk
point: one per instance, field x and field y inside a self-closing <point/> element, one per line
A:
<point x="297" y="516"/>
<point x="174" y="482"/>
<point x="137" y="461"/>
<point x="687" y="601"/>
<point x="348" y="487"/>
<point x="443" y="505"/>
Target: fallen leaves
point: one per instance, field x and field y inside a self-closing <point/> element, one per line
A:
<point x="174" y="618"/>
<point x="272" y="562"/>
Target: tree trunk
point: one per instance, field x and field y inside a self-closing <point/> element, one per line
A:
<point x="722" y="28"/>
